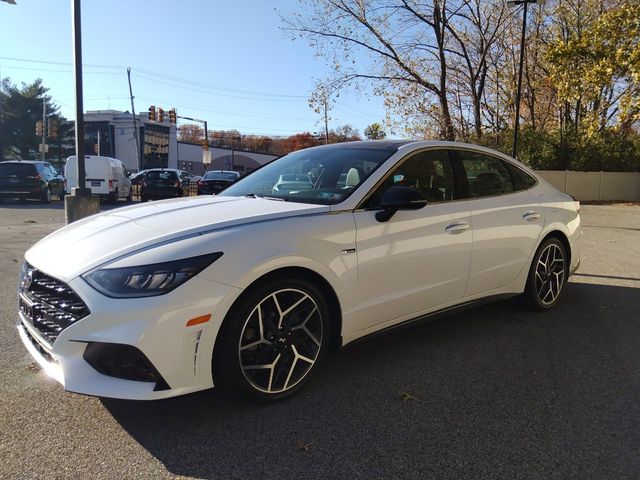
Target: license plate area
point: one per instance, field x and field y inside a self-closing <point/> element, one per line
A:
<point x="95" y="183"/>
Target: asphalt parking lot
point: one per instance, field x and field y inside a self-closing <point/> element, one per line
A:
<point x="495" y="392"/>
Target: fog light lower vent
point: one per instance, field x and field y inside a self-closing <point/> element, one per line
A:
<point x="123" y="361"/>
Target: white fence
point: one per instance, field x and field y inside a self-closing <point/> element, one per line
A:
<point x="596" y="185"/>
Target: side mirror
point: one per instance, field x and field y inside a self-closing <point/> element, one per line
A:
<point x="399" y="198"/>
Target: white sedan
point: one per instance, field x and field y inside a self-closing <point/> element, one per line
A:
<point x="250" y="289"/>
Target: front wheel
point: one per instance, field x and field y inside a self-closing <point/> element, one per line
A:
<point x="547" y="276"/>
<point x="273" y="340"/>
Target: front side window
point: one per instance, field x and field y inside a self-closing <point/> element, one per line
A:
<point x="486" y="176"/>
<point x="428" y="172"/>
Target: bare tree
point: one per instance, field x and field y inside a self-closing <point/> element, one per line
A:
<point x="406" y="41"/>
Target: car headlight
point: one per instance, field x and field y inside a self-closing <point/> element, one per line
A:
<point x="148" y="280"/>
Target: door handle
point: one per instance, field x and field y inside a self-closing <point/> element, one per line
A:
<point x="457" y="227"/>
<point x="530" y="216"/>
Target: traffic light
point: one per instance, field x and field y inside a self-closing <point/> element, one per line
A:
<point x="53" y="128"/>
<point x="173" y="117"/>
<point x="152" y="113"/>
<point x="160" y="115"/>
<point x="96" y="148"/>
<point x="39" y="128"/>
<point x="205" y="145"/>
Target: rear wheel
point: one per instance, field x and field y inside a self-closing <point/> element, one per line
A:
<point x="547" y="276"/>
<point x="273" y="340"/>
<point x="113" y="197"/>
<point x="46" y="195"/>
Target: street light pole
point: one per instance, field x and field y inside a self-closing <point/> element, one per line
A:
<point x="519" y="90"/>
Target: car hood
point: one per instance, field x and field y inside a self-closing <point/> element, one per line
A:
<point x="88" y="243"/>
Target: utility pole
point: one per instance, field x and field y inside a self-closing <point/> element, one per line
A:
<point x="44" y="126"/>
<point x="135" y="124"/>
<point x="80" y="203"/>
<point x="519" y="91"/>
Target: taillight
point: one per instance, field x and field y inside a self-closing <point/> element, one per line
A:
<point x="110" y="184"/>
<point x="177" y="184"/>
<point x="201" y="184"/>
<point x="35" y="177"/>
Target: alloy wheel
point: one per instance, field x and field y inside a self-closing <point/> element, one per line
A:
<point x="280" y="340"/>
<point x="550" y="274"/>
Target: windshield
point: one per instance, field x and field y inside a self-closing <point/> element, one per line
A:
<point x="221" y="176"/>
<point x="325" y="175"/>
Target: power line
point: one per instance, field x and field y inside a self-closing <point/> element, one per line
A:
<point x="216" y="87"/>
<point x="49" y="62"/>
<point x="12" y="67"/>
<point x="225" y="112"/>
<point x="241" y="97"/>
<point x="149" y="74"/>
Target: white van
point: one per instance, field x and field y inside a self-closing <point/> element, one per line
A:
<point x="105" y="176"/>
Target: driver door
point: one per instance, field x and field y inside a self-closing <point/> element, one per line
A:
<point x="419" y="260"/>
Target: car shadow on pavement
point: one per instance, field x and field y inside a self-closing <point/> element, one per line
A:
<point x="492" y="392"/>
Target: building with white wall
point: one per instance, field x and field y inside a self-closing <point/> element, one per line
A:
<point x="114" y="133"/>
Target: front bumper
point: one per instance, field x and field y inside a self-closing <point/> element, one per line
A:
<point x="156" y="326"/>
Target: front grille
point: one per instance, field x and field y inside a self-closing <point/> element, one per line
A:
<point x="47" y="356"/>
<point x="49" y="304"/>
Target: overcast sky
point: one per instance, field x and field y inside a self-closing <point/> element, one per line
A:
<point x="227" y="62"/>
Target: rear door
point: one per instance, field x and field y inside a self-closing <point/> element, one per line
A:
<point x="97" y="174"/>
<point x="506" y="220"/>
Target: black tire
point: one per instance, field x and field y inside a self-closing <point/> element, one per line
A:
<point x="113" y="197"/>
<point x="548" y="275"/>
<point x="46" y="196"/>
<point x="294" y="351"/>
<point x="130" y="196"/>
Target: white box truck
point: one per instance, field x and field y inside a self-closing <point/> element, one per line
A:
<point x="105" y="176"/>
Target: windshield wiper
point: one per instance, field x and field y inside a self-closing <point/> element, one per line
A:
<point x="260" y="195"/>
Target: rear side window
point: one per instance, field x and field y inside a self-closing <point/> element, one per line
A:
<point x="17" y="169"/>
<point x="486" y="176"/>
<point x="521" y="179"/>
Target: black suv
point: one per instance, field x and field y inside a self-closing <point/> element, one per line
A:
<point x="24" y="179"/>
